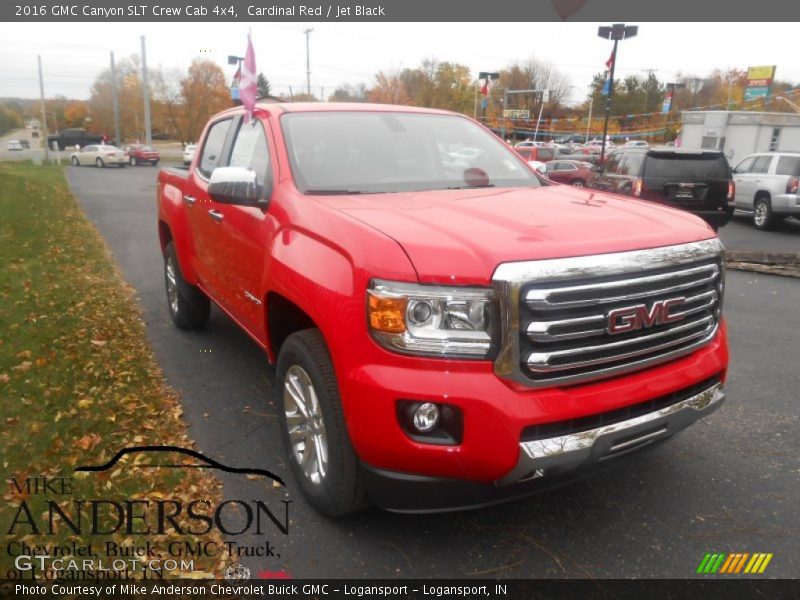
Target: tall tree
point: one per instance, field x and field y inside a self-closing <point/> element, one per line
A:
<point x="262" y="84"/>
<point x="204" y="93"/>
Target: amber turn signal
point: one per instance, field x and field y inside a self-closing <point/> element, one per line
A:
<point x="387" y="314"/>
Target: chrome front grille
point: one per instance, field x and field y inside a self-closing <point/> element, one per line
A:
<point x="582" y="318"/>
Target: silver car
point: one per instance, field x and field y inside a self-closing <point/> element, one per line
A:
<point x="767" y="186"/>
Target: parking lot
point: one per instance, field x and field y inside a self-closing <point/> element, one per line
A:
<point x="728" y="484"/>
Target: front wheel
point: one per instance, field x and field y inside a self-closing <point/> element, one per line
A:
<point x="313" y="427"/>
<point x="189" y="308"/>
<point x="75" y="161"/>
<point x="99" y="163"/>
<point x="578" y="183"/>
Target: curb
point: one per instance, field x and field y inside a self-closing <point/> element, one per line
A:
<point x="756" y="261"/>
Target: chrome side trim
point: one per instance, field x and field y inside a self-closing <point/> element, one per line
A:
<point x="557" y="454"/>
<point x="509" y="279"/>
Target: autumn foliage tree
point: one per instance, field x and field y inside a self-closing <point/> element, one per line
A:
<point x="204" y="93"/>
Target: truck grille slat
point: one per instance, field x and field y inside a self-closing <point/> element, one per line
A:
<point x="615" y="291"/>
<point x="586" y="318"/>
<point x="581" y="327"/>
<point x="545" y="362"/>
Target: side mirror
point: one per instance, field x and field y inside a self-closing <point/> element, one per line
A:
<point x="236" y="185"/>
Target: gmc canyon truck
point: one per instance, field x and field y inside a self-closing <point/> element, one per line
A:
<point x="445" y="334"/>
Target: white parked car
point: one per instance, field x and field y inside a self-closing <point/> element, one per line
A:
<point x="99" y="156"/>
<point x="636" y="144"/>
<point x="768" y="184"/>
<point x="528" y="143"/>
<point x="188" y="153"/>
<point x="14" y="145"/>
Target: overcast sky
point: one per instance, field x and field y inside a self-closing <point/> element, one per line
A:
<point x="74" y="53"/>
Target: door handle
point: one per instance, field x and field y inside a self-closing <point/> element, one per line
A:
<point x="216" y="215"/>
<point x="189" y="200"/>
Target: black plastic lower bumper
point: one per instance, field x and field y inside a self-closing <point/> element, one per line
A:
<point x="409" y="493"/>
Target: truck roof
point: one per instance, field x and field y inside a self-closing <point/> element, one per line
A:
<point x="296" y="107"/>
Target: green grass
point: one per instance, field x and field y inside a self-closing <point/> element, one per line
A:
<point x="77" y="379"/>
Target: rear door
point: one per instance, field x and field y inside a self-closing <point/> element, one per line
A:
<point x="693" y="181"/>
<point x="200" y="210"/>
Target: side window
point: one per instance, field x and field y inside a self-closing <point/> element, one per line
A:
<point x="212" y="149"/>
<point x="746" y="165"/>
<point x="612" y="164"/>
<point x="762" y="164"/>
<point x="788" y="165"/>
<point x="251" y="150"/>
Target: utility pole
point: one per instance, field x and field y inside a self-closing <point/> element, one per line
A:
<point x="115" y="101"/>
<point x="148" y="135"/>
<point x="589" y="120"/>
<point x="308" y="62"/>
<point x="616" y="32"/>
<point x="44" y="112"/>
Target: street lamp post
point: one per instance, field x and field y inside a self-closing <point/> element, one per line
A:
<point x="616" y="32"/>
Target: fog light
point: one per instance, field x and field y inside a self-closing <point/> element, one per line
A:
<point x="426" y="417"/>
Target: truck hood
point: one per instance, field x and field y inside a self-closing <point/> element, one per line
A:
<point x="461" y="236"/>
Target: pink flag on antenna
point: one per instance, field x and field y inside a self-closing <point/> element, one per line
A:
<point x="248" y="90"/>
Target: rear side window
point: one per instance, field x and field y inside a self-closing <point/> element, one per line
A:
<point x="546" y="154"/>
<point x="251" y="150"/>
<point x="690" y="165"/>
<point x="212" y="149"/>
<point x="788" y="165"/>
<point x="631" y="164"/>
<point x="761" y="165"/>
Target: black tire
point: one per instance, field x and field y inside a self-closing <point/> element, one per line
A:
<point x="763" y="217"/>
<point x="154" y="163"/>
<point x="339" y="491"/>
<point x="99" y="163"/>
<point x="133" y="161"/>
<point x="578" y="183"/>
<point x="75" y="161"/>
<point x="121" y="165"/>
<point x="188" y="307"/>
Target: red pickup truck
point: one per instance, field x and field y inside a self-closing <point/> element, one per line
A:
<point x="448" y="329"/>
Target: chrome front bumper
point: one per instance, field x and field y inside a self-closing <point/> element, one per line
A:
<point x="556" y="455"/>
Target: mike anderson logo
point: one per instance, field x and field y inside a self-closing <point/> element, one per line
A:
<point x="734" y="563"/>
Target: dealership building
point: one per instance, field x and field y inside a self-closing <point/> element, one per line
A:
<point x="740" y="133"/>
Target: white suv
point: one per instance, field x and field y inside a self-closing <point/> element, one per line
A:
<point x="767" y="185"/>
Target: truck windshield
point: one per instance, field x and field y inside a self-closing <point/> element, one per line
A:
<point x="379" y="152"/>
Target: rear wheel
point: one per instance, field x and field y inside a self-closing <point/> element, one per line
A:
<point x="578" y="183"/>
<point x="133" y="161"/>
<point x="763" y="217"/>
<point x="188" y="307"/>
<point x="313" y="427"/>
<point x="99" y="163"/>
<point x="75" y="161"/>
<point x="154" y="163"/>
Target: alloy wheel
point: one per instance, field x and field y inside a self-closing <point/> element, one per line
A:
<point x="172" y="286"/>
<point x="305" y="423"/>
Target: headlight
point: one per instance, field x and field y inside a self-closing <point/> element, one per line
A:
<point x="432" y="320"/>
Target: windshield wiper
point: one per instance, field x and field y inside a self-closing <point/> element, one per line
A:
<point x="469" y="187"/>
<point x="324" y="192"/>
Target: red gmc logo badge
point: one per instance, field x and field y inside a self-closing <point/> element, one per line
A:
<point x="633" y="318"/>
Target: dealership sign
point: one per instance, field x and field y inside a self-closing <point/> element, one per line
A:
<point x="759" y="81"/>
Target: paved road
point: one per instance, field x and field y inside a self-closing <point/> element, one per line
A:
<point x="731" y="483"/>
<point x="740" y="234"/>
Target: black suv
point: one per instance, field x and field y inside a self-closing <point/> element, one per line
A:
<point x="698" y="181"/>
